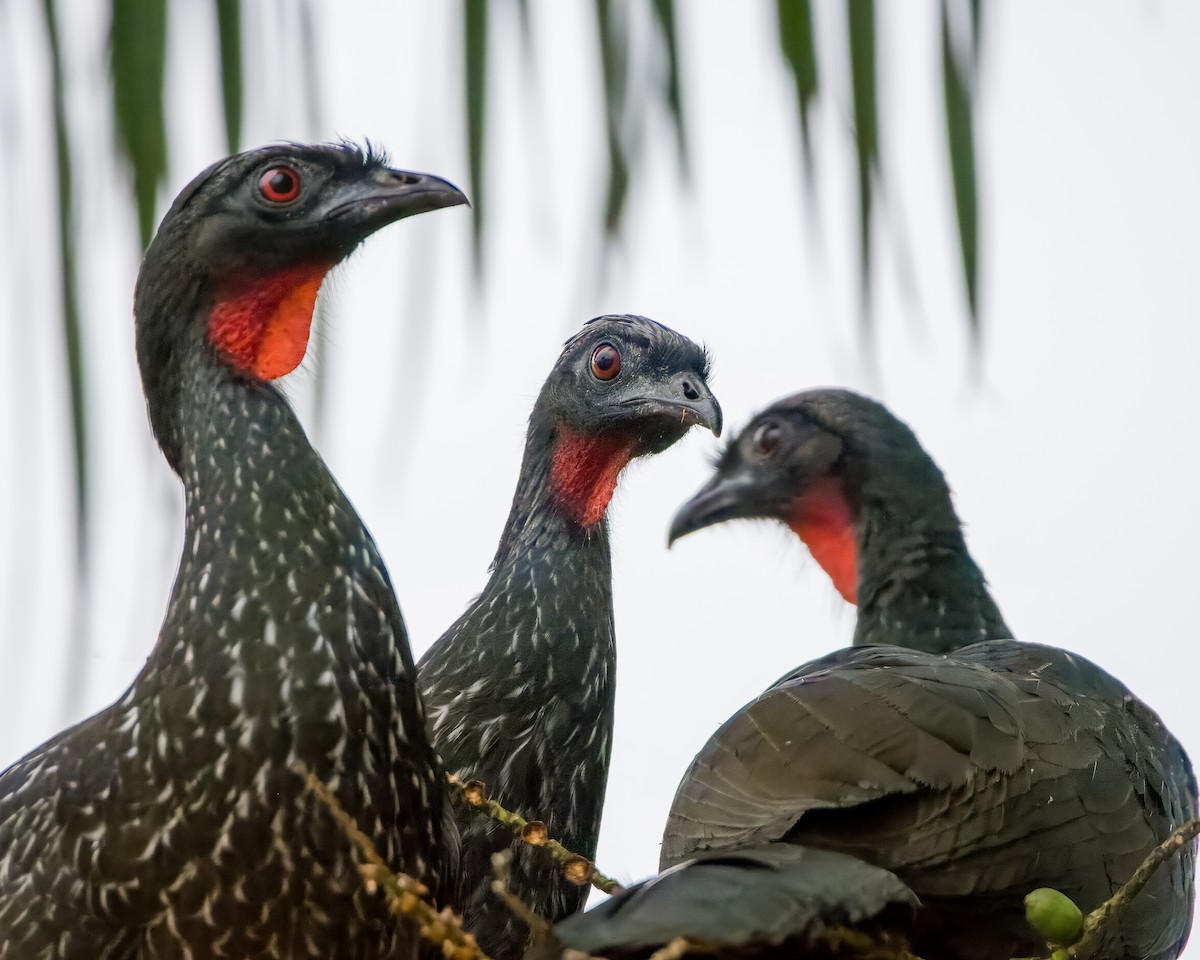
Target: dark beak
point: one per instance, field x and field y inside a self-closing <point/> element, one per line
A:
<point x="722" y="498"/>
<point x="687" y="399"/>
<point x="387" y="195"/>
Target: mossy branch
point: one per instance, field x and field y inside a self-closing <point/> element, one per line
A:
<point x="577" y="869"/>
<point x="673" y="950"/>
<point x="406" y="895"/>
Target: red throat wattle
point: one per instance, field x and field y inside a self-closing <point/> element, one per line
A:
<point x="822" y="519"/>
<point x="263" y="328"/>
<point x="584" y="472"/>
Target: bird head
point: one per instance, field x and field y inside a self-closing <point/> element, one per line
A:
<point x="623" y="387"/>
<point x="239" y="257"/>
<point x="814" y="461"/>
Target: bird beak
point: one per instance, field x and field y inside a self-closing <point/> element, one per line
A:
<point x="686" y="399"/>
<point x="724" y="497"/>
<point x="388" y="195"/>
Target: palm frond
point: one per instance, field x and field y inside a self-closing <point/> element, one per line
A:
<point x="69" y="283"/>
<point x="668" y="28"/>
<point x="861" y="17"/>
<point x="960" y="138"/>
<point x="475" y="54"/>
<point x="795" y="23"/>
<point x="614" y="49"/>
<point x="229" y="30"/>
<point x="138" y="56"/>
<point x="78" y="635"/>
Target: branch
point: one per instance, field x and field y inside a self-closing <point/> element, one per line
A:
<point x="579" y="870"/>
<point x="406" y="895"/>
<point x="673" y="950"/>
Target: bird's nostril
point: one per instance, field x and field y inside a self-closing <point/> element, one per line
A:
<point x="690" y="391"/>
<point x="405" y="178"/>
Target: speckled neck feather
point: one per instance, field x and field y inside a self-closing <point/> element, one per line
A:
<point x="520" y="690"/>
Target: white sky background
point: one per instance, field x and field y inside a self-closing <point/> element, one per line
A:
<point x="1073" y="459"/>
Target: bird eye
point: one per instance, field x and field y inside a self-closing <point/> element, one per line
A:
<point x="280" y="184"/>
<point x="765" y="439"/>
<point x="606" y="362"/>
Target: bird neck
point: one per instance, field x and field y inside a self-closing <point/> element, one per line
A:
<point x="553" y="565"/>
<point x="918" y="586"/>
<point x="551" y="597"/>
<point x="195" y="332"/>
<point x="561" y="502"/>
<point x="242" y="451"/>
<point x="531" y="664"/>
<point x="540" y="633"/>
<point x="267" y="527"/>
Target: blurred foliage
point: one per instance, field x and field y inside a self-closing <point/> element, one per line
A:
<point x="800" y="53"/>
<point x="138" y="47"/>
<point x="475" y="50"/>
<point x="229" y="28"/>
<point x="959" y="70"/>
<point x="69" y="279"/>
<point x="138" y="58"/>
<point x="861" y="34"/>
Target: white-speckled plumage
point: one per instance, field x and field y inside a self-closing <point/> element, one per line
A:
<point x="176" y="823"/>
<point x="520" y="689"/>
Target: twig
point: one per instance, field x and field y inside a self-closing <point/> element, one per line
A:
<point x="673" y="950"/>
<point x="577" y="869"/>
<point x="405" y="894"/>
<point x="539" y="928"/>
<point x="1093" y="925"/>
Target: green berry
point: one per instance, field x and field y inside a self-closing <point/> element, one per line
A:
<point x="1054" y="916"/>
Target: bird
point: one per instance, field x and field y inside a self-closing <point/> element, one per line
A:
<point x="175" y="822"/>
<point x="520" y="688"/>
<point x="970" y="766"/>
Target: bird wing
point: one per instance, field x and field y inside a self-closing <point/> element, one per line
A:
<point x="754" y="896"/>
<point x="64" y="889"/>
<point x="855" y="726"/>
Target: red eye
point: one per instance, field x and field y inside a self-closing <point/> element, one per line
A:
<point x="606" y="362"/>
<point x="280" y="184"/>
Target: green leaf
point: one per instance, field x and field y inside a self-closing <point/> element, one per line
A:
<point x="960" y="139"/>
<point x="139" y="40"/>
<point x="800" y="52"/>
<point x="861" y="14"/>
<point x="69" y="279"/>
<point x="664" y="16"/>
<point x="614" y="51"/>
<point x="229" y="28"/>
<point x="475" y="41"/>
